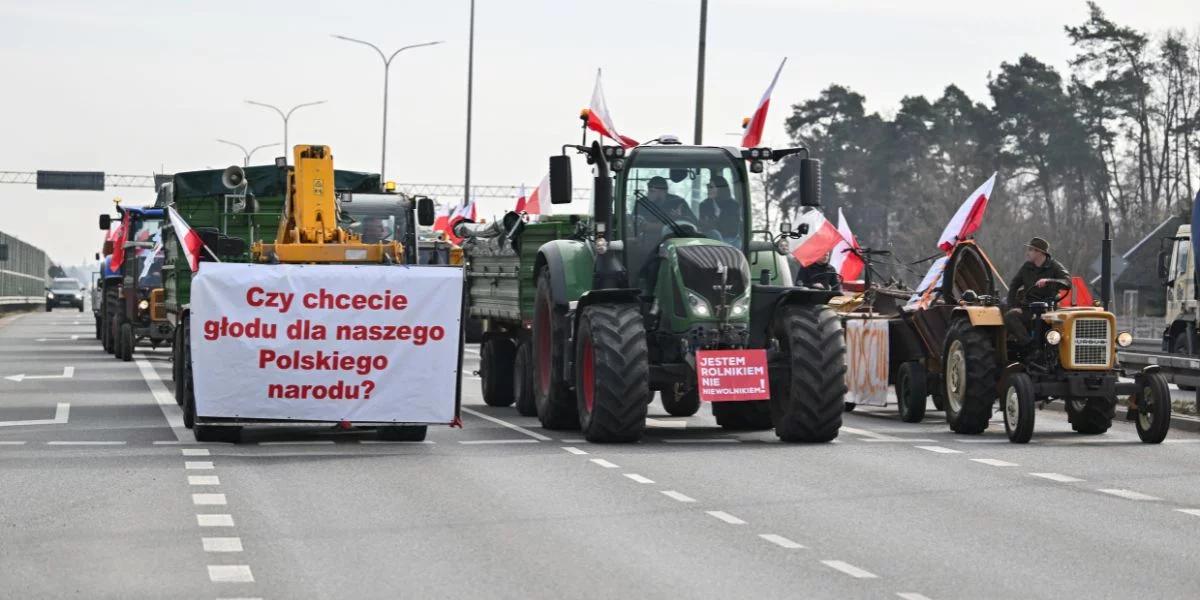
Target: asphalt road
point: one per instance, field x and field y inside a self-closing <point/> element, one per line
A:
<point x="104" y="495"/>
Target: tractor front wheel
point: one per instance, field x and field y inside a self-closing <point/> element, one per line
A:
<point x="1154" y="408"/>
<point x="496" y="370"/>
<point x="126" y="342"/>
<point x="970" y="378"/>
<point x="680" y="401"/>
<point x="1090" y="416"/>
<point x="553" y="397"/>
<point x="612" y="373"/>
<point x="809" y="394"/>
<point x="1019" y="409"/>
<point x="911" y="391"/>
<point x="522" y="379"/>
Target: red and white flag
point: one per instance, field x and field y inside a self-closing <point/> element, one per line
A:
<point x="969" y="216"/>
<point x="188" y="238"/>
<point x="847" y="263"/>
<point x="754" y="125"/>
<point x="520" y="201"/>
<point x="533" y="205"/>
<point x="821" y="239"/>
<point x="462" y="213"/>
<point x="600" y="120"/>
<point x="116" y="235"/>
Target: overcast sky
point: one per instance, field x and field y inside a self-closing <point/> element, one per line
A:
<point x="141" y="87"/>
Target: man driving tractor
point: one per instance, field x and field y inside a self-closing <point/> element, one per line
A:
<point x="1040" y="279"/>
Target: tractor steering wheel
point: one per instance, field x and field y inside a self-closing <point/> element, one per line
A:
<point x="835" y="280"/>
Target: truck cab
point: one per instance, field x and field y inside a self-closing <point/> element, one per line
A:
<point x="1176" y="270"/>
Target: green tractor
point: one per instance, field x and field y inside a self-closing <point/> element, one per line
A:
<point x="664" y="268"/>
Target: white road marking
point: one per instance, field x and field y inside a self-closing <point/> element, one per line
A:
<point x="214" y="520"/>
<point x="666" y="423"/>
<point x="298" y="443"/>
<point x="604" y="463"/>
<point x="939" y="449"/>
<point x="724" y="516"/>
<point x="222" y="544"/>
<point x="780" y="541"/>
<point x="574" y="450"/>
<point x="986" y="441"/>
<point x="62" y="413"/>
<point x="198" y="465"/>
<point x="705" y="441"/>
<point x="674" y="495"/>
<point x="11" y="443"/>
<point x="203" y="480"/>
<point x="994" y="462"/>
<point x="68" y="372"/>
<point x="86" y="443"/>
<point x="849" y="569"/>
<point x="66" y="339"/>
<point x="395" y="442"/>
<point x="1059" y="477"/>
<point x="166" y="401"/>
<point x="172" y="443"/>
<point x="1185" y="441"/>
<point x="482" y="442"/>
<point x="912" y="596"/>
<point x="639" y="478"/>
<point x="195" y="452"/>
<point x="869" y="434"/>
<point x="533" y="434"/>
<point x="897" y="440"/>
<point x="1127" y="494"/>
<point x="572" y="440"/>
<point x="208" y="499"/>
<point x="230" y="574"/>
<point x="1195" y="512"/>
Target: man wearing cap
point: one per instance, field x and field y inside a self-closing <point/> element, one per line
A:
<point x="1040" y="279"/>
<point x="674" y="206"/>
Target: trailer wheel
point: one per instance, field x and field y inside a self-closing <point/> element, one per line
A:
<point x="612" y="373"/>
<point x="1019" y="409"/>
<point x="496" y="370"/>
<point x="402" y="433"/>
<point x="749" y="415"/>
<point x="522" y="379"/>
<point x="230" y="434"/>
<point x="1090" y="416"/>
<point x="189" y="394"/>
<point x="808" y="395"/>
<point x="553" y="397"/>
<point x="1154" y="409"/>
<point x="126" y="342"/>
<point x="911" y="391"/>
<point x="680" y="401"/>
<point x="970" y="375"/>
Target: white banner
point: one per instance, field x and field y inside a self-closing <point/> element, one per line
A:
<point x="867" y="361"/>
<point x="362" y="343"/>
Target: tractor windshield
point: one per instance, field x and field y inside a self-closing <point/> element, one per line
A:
<point x="698" y="192"/>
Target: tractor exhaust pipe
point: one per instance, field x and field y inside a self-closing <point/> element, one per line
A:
<point x="1106" y="267"/>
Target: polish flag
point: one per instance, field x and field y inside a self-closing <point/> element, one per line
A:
<point x="188" y="239"/>
<point x="968" y="218"/>
<point x="116" y="235"/>
<point x="848" y="264"/>
<point x="520" y="201"/>
<point x="462" y="213"/>
<point x="821" y="239"/>
<point x="533" y="206"/>
<point x="754" y="125"/>
<point x="600" y="120"/>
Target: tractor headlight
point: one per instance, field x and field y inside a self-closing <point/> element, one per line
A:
<point x="699" y="306"/>
<point x="143" y="305"/>
<point x="741" y="306"/>
<point x="1053" y="337"/>
<point x="1124" y="339"/>
<point x="49" y="296"/>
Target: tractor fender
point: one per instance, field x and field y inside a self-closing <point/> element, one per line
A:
<point x="981" y="316"/>
<point x="1008" y="371"/>
<point x="766" y="300"/>
<point x="571" y="264"/>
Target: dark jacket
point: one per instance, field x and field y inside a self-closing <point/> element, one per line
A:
<point x="1023" y="289"/>
<point x="722" y="214"/>
<point x="813" y="275"/>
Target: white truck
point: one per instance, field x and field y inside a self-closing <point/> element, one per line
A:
<point x="1177" y="270"/>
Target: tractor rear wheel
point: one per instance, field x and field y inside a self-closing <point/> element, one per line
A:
<point x="911" y="391"/>
<point x="1090" y="416"/>
<point x="522" y="379"/>
<point x="612" y="373"/>
<point x="1154" y="409"/>
<point x="109" y="316"/>
<point x="1019" y="408"/>
<point x="496" y="369"/>
<point x="808" y="395"/>
<point x="680" y="401"/>
<point x="970" y="375"/>
<point x="553" y="397"/>
<point x="188" y="393"/>
<point x="747" y="415"/>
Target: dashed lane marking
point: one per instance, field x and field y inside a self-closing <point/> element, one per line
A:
<point x="994" y="462"/>
<point x="203" y="480"/>
<point x="166" y="401"/>
<point x="1127" y="494"/>
<point x="485" y="442"/>
<point x="533" y="434"/>
<point x="724" y="516"/>
<point x="604" y="463"/>
<point x="12" y="443"/>
<point x="195" y="452"/>
<point x="639" y="478"/>
<point x="214" y="520"/>
<point x="209" y="499"/>
<point x="574" y="450"/>
<point x="198" y="465"/>
<point x="86" y="443"/>
<point x="780" y="541"/>
<point x="849" y="569"/>
<point x="426" y="442"/>
<point x="940" y="449"/>
<point x="869" y="434"/>
<point x="674" y="495"/>
<point x="898" y="440"/>
<point x="230" y="574"/>
<point x="298" y="443"/>
<point x="912" y="596"/>
<point x="222" y="544"/>
<point x="704" y="441"/>
<point x="1195" y="512"/>
<point x="1059" y="477"/>
<point x="666" y="423"/>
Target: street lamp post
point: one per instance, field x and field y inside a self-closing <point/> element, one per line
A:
<point x="285" y="116"/>
<point x="387" y="63"/>
<point x="246" y="152"/>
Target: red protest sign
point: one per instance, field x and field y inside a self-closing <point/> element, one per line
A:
<point x="732" y="375"/>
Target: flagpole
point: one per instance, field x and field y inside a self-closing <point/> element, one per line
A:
<point x="700" y="72"/>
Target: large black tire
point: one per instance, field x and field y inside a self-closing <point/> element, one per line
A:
<point x="496" y="369"/>
<point x="746" y="415"/>
<point x="680" y="401"/>
<point x="126" y="342"/>
<point x="188" y="403"/>
<point x="1154" y="409"/>
<point x="109" y="315"/>
<point x="402" y="433"/>
<point x="522" y="379"/>
<point x="970" y="376"/>
<point x="911" y="391"/>
<point x="809" y="394"/>
<point x="1019" y="406"/>
<point x="230" y="434"/>
<point x="612" y="373"/>
<point x="98" y="323"/>
<point x="177" y="364"/>
<point x="49" y="308"/>
<point x="553" y="397"/>
<point x="1179" y="346"/>
<point x="1090" y="416"/>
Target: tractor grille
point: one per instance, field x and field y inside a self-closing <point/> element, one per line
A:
<point x="698" y="266"/>
<point x="1091" y="339"/>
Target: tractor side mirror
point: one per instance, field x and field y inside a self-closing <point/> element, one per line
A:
<point x="105" y="222"/>
<point x="425" y="216"/>
<point x="810" y="182"/>
<point x="560" y="179"/>
<point x="97" y="256"/>
<point x="1164" y="274"/>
